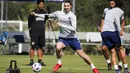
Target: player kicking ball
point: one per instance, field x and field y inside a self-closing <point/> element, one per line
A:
<point x="67" y="24"/>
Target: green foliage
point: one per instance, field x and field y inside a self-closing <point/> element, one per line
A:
<point x="89" y="12"/>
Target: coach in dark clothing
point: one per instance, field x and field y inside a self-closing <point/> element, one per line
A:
<point x="36" y="26"/>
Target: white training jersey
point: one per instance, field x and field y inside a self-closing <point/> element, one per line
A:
<point x="112" y="19"/>
<point x="67" y="23"/>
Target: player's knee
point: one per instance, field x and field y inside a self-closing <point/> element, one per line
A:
<point x="121" y="48"/>
<point x="33" y="47"/>
<point x="58" y="47"/>
<point x="113" y="51"/>
<point x="81" y="54"/>
<point x="104" y="48"/>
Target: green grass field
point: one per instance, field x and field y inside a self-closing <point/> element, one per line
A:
<point x="71" y="64"/>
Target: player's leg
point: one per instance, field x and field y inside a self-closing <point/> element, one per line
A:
<point x="33" y="45"/>
<point x="113" y="53"/>
<point x="31" y="56"/>
<point x="108" y="38"/>
<point x="123" y="57"/>
<point x="119" y="55"/>
<point x="41" y="44"/>
<point x="117" y="42"/>
<point x="87" y="59"/>
<point x="59" y="46"/>
<point x="32" y="49"/>
<point x="40" y="56"/>
<point x="75" y="44"/>
<point x="119" y="58"/>
<point x="106" y="56"/>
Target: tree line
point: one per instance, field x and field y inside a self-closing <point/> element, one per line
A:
<point x="89" y="12"/>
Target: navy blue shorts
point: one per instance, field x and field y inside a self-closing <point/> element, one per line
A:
<point x="74" y="43"/>
<point x="111" y="39"/>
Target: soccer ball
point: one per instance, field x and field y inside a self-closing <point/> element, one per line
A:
<point x="36" y="67"/>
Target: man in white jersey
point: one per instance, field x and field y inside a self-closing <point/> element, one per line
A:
<point x="67" y="22"/>
<point x="104" y="47"/>
<point x="111" y="31"/>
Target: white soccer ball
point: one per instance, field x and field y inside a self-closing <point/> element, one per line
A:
<point x="36" y="67"/>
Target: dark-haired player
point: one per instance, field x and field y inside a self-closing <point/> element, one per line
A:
<point x="36" y="27"/>
<point x="111" y="32"/>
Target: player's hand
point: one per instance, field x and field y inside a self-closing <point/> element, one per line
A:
<point x="121" y="32"/>
<point x="33" y="13"/>
<point x="100" y="30"/>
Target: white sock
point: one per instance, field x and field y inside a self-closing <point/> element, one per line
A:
<point x="108" y="61"/>
<point x="116" y="67"/>
<point x="125" y="65"/>
<point x="92" y="66"/>
<point x="120" y="63"/>
<point x="59" y="61"/>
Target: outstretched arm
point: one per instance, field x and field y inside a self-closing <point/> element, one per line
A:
<point x="39" y="15"/>
<point x="52" y="15"/>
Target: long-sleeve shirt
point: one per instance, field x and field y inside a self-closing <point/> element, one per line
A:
<point x="67" y="23"/>
<point x="112" y="19"/>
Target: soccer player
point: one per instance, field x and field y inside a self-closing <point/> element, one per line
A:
<point x="104" y="47"/>
<point x="111" y="31"/>
<point x="67" y="24"/>
<point x="36" y="26"/>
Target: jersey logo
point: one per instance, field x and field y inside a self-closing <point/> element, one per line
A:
<point x="39" y="19"/>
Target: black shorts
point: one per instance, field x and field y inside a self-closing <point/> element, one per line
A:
<point x="37" y="39"/>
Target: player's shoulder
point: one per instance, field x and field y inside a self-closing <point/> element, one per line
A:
<point x="34" y="10"/>
<point x="119" y="9"/>
<point x="106" y="9"/>
<point x="72" y="14"/>
<point x="57" y="12"/>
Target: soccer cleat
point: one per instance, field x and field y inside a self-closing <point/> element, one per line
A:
<point x="117" y="71"/>
<point x="109" y="66"/>
<point x="95" y="70"/>
<point x="42" y="63"/>
<point x="31" y="63"/>
<point x="120" y="67"/>
<point x="126" y="70"/>
<point x="56" y="67"/>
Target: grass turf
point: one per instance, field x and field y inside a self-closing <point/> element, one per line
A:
<point x="71" y="64"/>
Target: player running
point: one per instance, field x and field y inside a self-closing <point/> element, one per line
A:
<point x="104" y="47"/>
<point x="110" y="31"/>
<point x="67" y="23"/>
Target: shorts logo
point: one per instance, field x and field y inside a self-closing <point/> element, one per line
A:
<point x="33" y="43"/>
